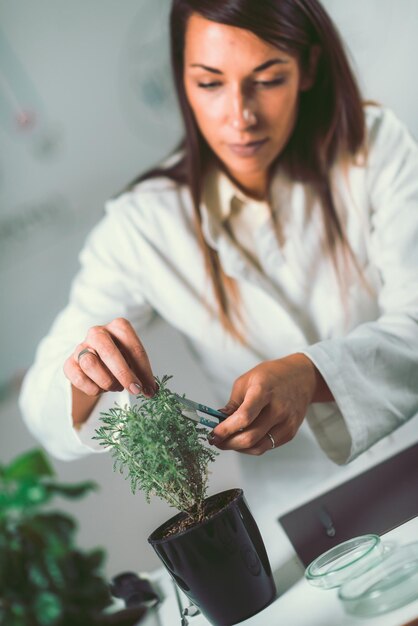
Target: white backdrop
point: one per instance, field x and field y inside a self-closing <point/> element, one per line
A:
<point x="86" y="103"/>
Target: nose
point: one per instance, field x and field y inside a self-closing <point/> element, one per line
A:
<point x="243" y="116"/>
<point x="244" y="121"/>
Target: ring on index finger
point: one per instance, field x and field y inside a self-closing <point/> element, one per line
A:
<point x="86" y="351"/>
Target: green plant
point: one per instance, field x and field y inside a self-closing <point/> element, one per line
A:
<point x="159" y="450"/>
<point x="45" y="580"/>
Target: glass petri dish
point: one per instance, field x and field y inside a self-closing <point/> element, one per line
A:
<point x="342" y="562"/>
<point x="392" y="583"/>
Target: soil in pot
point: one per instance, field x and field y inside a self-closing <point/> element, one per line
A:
<point x="182" y="522"/>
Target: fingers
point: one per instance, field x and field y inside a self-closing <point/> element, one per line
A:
<point x="256" y="442"/>
<point x="244" y="414"/>
<point x="250" y="437"/>
<point x="92" y="364"/>
<point x="230" y="407"/>
<point x="135" y="354"/>
<point x="272" y="397"/>
<point x="79" y="379"/>
<point x="112" y="358"/>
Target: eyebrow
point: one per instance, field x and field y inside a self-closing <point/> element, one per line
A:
<point x="259" y="68"/>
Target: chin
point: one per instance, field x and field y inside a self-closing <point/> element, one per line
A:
<point x="248" y="167"/>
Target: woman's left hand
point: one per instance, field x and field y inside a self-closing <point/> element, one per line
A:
<point x="268" y="404"/>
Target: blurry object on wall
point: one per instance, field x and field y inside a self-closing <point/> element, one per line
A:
<point x="30" y="226"/>
<point x="22" y="111"/>
<point x="148" y="100"/>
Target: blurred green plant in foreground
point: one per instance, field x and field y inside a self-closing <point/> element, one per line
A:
<point x="45" y="580"/>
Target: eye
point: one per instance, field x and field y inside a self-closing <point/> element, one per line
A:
<point x="211" y="85"/>
<point x="271" y="83"/>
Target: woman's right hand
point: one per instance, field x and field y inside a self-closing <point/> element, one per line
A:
<point x="111" y="358"/>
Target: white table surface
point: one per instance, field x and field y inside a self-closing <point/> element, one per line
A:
<point x="299" y="605"/>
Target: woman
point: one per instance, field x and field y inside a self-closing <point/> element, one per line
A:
<point x="280" y="240"/>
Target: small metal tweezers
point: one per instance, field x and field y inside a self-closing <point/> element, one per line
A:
<point x="193" y="410"/>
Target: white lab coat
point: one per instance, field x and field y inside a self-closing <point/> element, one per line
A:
<point x="143" y="260"/>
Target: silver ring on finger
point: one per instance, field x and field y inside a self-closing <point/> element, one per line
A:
<point x="273" y="443"/>
<point x="86" y="351"/>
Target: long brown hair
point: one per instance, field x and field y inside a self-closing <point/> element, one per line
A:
<point x="330" y="120"/>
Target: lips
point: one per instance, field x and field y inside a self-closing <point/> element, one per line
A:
<point x="247" y="149"/>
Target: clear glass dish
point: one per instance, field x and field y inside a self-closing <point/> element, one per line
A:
<point x="342" y="562"/>
<point x="392" y="583"/>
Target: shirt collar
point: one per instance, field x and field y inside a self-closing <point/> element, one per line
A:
<point x="221" y="199"/>
<point x="221" y="194"/>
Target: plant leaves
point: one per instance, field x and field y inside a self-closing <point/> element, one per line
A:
<point x="48" y="609"/>
<point x="24" y="494"/>
<point x="29" y="465"/>
<point x="44" y="579"/>
<point x="57" y="528"/>
<point x="95" y="558"/>
<point x="159" y="451"/>
<point x="76" y="490"/>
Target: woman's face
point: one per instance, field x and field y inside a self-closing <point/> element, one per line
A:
<point x="244" y="94"/>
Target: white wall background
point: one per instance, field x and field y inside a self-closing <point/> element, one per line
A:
<point x="95" y="76"/>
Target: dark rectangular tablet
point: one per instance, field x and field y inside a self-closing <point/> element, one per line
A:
<point x="375" y="501"/>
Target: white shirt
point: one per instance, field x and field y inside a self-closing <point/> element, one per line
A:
<point x="143" y="259"/>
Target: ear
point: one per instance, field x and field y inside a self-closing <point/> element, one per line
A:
<point x="309" y="74"/>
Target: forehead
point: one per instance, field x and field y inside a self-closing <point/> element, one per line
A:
<point x="220" y="45"/>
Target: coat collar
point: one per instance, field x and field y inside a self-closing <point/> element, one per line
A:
<point x="221" y="198"/>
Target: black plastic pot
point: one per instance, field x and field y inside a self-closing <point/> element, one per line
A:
<point x="220" y="564"/>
